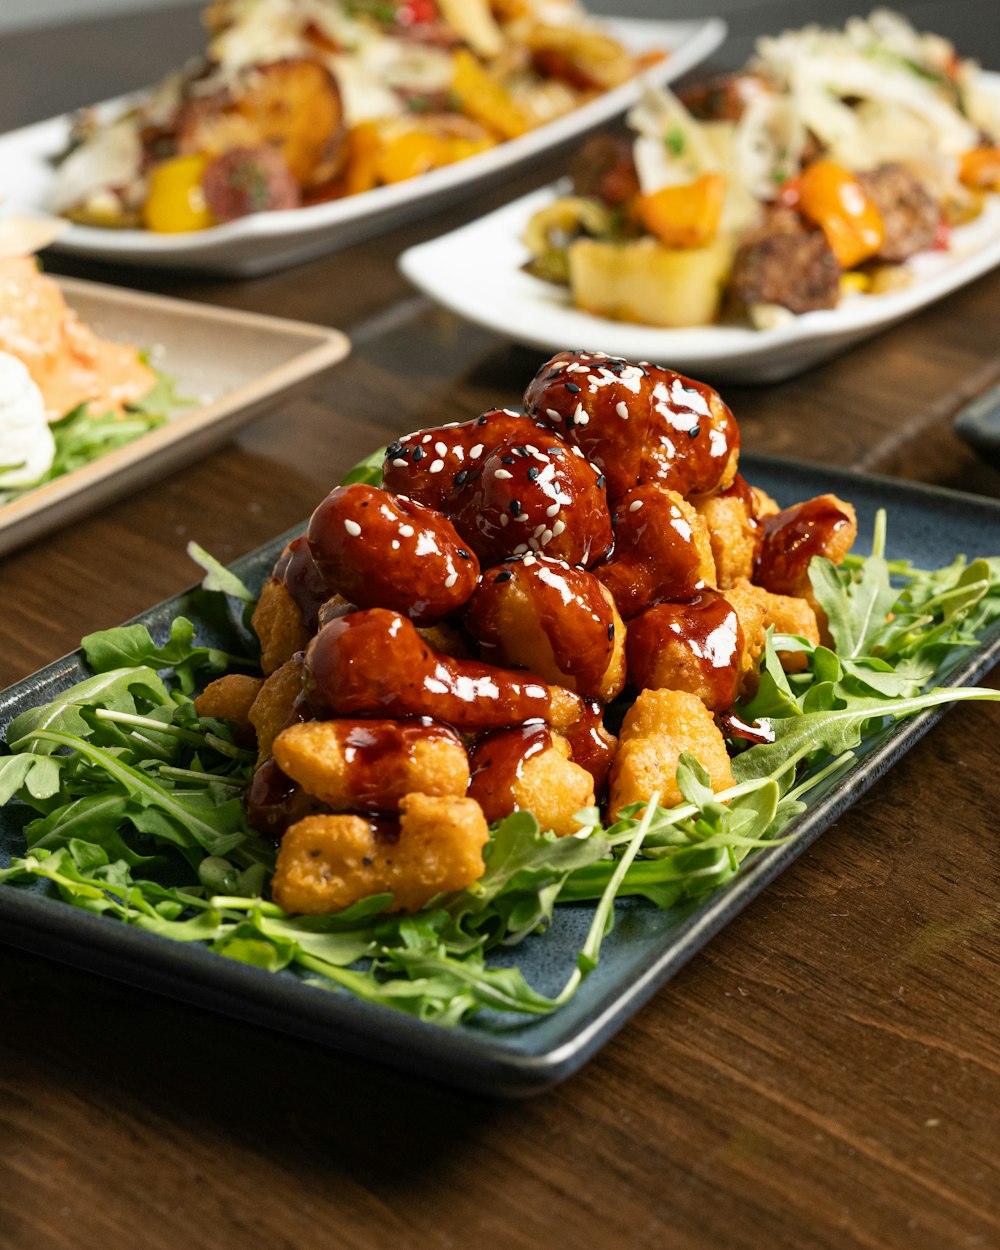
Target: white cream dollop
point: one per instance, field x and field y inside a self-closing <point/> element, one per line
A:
<point x="27" y="447"/>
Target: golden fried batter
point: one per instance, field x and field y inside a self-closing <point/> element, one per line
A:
<point x="733" y="534"/>
<point x="658" y="727"/>
<point x="326" y="863"/>
<point x="788" y="615"/>
<point x="272" y="709"/>
<point x="372" y="764"/>
<point x="752" y="613"/>
<point x="230" y="698"/>
<point x="530" y="769"/>
<point x="277" y="622"/>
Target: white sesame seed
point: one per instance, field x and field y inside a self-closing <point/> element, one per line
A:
<point x="635" y="505"/>
<point x="504" y="518"/>
<point x="577" y="452"/>
<point x="546" y="537"/>
<point x="520" y="549"/>
<point x="353" y="528"/>
<point x="558" y="528"/>
<point x="622" y="409"/>
<point x="529" y="561"/>
<point x="475" y="452"/>
<point x="399" y="463"/>
<point x="534" y="544"/>
<point x="451" y="425"/>
<point x="450" y="580"/>
<point x="580" y="416"/>
<point x="552" y="510"/>
<point x="436" y="466"/>
<point x="553" y="415"/>
<point x="441" y="448"/>
<point x="426" y="438"/>
<point x="510" y="412"/>
<point x="395" y="544"/>
<point x="523" y="517"/>
<point x="406" y="531"/>
<point x="504" y="474"/>
<point x="539" y="530"/>
<point x="532" y="451"/>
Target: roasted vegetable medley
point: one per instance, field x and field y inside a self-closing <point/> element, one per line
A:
<point x="814" y="173"/>
<point x="301" y="101"/>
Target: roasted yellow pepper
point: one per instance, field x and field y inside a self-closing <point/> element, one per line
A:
<point x="685" y="216"/>
<point x="483" y="98"/>
<point x="175" y="201"/>
<point x="832" y="197"/>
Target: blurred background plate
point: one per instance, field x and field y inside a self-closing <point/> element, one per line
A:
<point x="264" y="242"/>
<point x="230" y="364"/>
<point x="485" y="258"/>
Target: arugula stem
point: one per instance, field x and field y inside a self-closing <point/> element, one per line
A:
<point x="192" y="736"/>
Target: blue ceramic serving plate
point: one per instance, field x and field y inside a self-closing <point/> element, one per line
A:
<point x="646" y="947"/>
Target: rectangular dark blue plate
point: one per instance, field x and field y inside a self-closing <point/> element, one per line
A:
<point x="644" y="950"/>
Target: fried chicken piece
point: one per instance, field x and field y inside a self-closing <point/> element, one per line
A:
<point x="788" y="615"/>
<point x="274" y="706"/>
<point x="663" y="552"/>
<point x="824" y="526"/>
<point x="696" y="646"/>
<point x="370" y="765"/>
<point x="753" y="625"/>
<point x="230" y="698"/>
<point x="734" y="531"/>
<point x="658" y="728"/>
<point x="530" y="769"/>
<point x="554" y="620"/>
<point x="326" y="863"/>
<point x="278" y="624"/>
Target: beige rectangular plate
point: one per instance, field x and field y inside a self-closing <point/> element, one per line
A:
<point x="232" y="364"/>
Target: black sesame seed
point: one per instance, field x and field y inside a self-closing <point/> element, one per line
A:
<point x="463" y="554"/>
<point x="533" y="473"/>
<point x="507" y="459"/>
<point x="515" y="507"/>
<point x="554" y="451"/>
<point x="572" y="388"/>
<point x="600" y="482"/>
<point x="694" y="431"/>
<point x="503" y="577"/>
<point x="461" y="477"/>
<point x="418" y="454"/>
<point x="519" y="451"/>
<point x="481" y="421"/>
<point x="393" y="450"/>
<point x="611" y="631"/>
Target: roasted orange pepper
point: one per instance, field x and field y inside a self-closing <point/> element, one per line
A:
<point x="980" y="169"/>
<point x="363" y="144"/>
<point x="684" y="216"/>
<point x="175" y="201"/>
<point x="832" y="197"/>
<point x="483" y="98"/>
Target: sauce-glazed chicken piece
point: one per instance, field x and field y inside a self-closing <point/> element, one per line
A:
<point x="637" y="423"/>
<point x="441" y="652"/>
<point x="557" y="621"/>
<point x="530" y="769"/>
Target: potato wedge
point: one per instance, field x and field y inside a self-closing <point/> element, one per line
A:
<point x="650" y="284"/>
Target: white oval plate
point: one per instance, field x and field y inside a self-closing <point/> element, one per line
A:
<point x="476" y="272"/>
<point x="264" y="242"/>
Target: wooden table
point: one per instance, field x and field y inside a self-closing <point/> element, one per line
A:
<point x="824" y="1074"/>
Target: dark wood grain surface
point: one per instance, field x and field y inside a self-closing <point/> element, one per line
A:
<point x="825" y="1074"/>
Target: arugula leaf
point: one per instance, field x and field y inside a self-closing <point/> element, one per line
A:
<point x="218" y="577"/>
<point x="132" y="646"/>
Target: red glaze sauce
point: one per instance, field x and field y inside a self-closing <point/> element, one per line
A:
<point x="694" y="646"/>
<point x="377" y="754"/>
<point x="733" y="727"/>
<point x="592" y="746"/>
<point x="296" y="570"/>
<point x="434" y="465"/>
<point x="569" y="606"/>
<point x="655" y="558"/>
<point x="380" y="550"/>
<point x="497" y="764"/>
<point x="533" y="493"/>
<point x="791" y="539"/>
<point x="636" y="422"/>
<point x="374" y="663"/>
